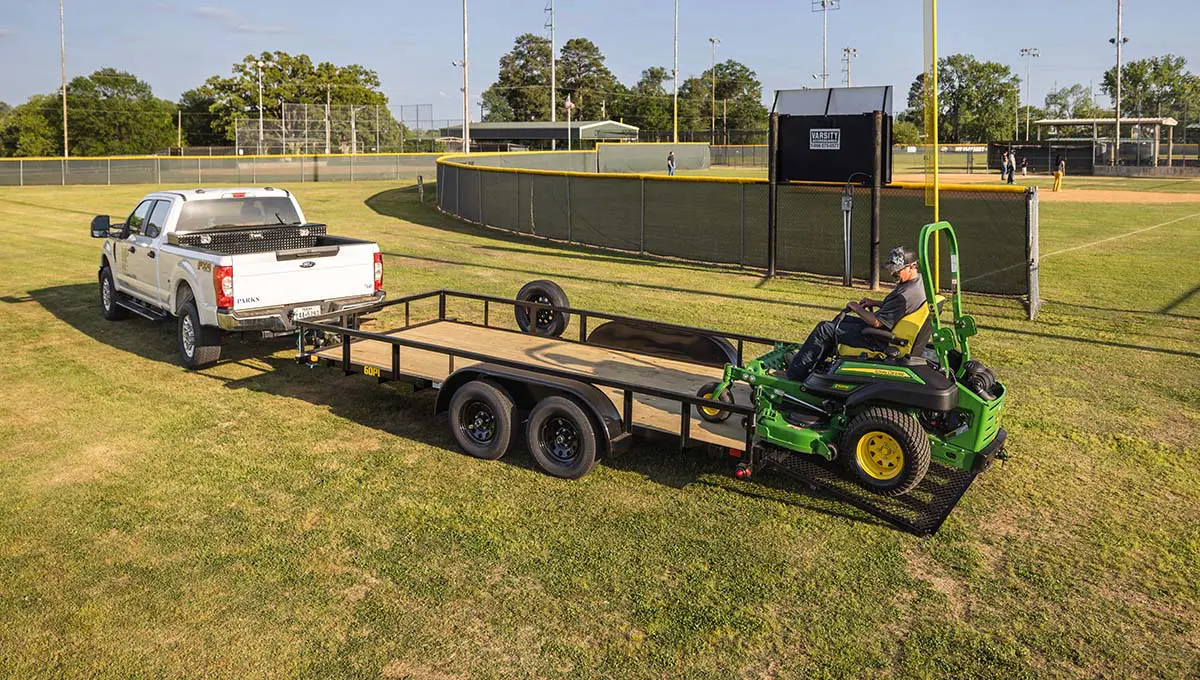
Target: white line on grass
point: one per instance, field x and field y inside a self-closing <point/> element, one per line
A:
<point x="1084" y="245"/>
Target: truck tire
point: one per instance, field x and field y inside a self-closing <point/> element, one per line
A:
<point x="482" y="419"/>
<point x="562" y="438"/>
<point x="199" y="346"/>
<point x="109" y="296"/>
<point x="886" y="450"/>
<point x="542" y="321"/>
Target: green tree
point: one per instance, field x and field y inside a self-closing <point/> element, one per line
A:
<point x="904" y="132"/>
<point x="4" y="108"/>
<point x="26" y="129"/>
<point x="976" y="100"/>
<point x="584" y="77"/>
<point x="647" y="104"/>
<point x="286" y="79"/>
<point x="523" y="82"/>
<point x="496" y="106"/>
<point x="198" y="118"/>
<point x="114" y="113"/>
<point x="1155" y="87"/>
<point x="738" y="90"/>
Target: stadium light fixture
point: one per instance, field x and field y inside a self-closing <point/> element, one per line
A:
<point x="1029" y="54"/>
<point x="713" y="42"/>
<point x="1118" y="41"/>
<point x="824" y="6"/>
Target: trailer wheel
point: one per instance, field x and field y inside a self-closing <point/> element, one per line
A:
<point x="199" y="346"/>
<point x="542" y="321"/>
<point x="109" y="296"/>
<point x="714" y="415"/>
<point x="886" y="450"/>
<point x="562" y="438"/>
<point x="481" y="419"/>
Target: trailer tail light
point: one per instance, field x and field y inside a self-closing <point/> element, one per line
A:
<point x="378" y="272"/>
<point x="223" y="286"/>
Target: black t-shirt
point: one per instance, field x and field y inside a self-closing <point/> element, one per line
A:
<point x="904" y="299"/>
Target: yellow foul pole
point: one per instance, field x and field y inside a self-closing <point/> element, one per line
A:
<point x="932" y="157"/>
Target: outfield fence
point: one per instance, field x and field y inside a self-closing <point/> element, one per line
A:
<point x="198" y="170"/>
<point x="724" y="220"/>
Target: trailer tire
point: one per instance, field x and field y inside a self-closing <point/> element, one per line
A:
<point x="562" y="438"/>
<point x="482" y="419"/>
<point x="886" y="450"/>
<point x="542" y="321"/>
<point x="199" y="346"/>
<point x="109" y="296"/>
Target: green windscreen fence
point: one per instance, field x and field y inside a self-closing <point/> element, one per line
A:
<point x="725" y="222"/>
<point x="634" y="158"/>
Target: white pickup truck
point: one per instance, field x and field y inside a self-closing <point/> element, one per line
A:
<point x="229" y="260"/>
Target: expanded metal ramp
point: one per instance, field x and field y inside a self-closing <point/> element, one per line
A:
<point x="920" y="511"/>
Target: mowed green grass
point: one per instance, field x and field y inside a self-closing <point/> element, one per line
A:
<point x="260" y="519"/>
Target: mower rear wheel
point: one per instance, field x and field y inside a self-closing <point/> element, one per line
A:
<point x="886" y="450"/>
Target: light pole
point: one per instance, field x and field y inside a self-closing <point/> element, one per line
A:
<point x="260" y="63"/>
<point x="466" y="88"/>
<point x="675" y="87"/>
<point x="848" y="55"/>
<point x="1029" y="53"/>
<point x="823" y="6"/>
<point x="1118" y="41"/>
<point x="713" y="42"/>
<point x="62" y="43"/>
<point x="553" y="74"/>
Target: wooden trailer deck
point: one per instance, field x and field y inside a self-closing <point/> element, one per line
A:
<point x="648" y="412"/>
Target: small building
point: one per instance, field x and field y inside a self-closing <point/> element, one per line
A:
<point x="1131" y="128"/>
<point x="540" y="134"/>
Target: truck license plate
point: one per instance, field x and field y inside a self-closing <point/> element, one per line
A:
<point x="306" y="312"/>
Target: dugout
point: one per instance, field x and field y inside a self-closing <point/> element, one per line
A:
<point x="540" y="134"/>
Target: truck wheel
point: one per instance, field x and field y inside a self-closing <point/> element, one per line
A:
<point x="562" y="438"/>
<point x="714" y="415"/>
<point x="481" y="419"/>
<point x="542" y="321"/>
<point x="886" y="450"/>
<point x="109" y="296"/>
<point x="199" y="346"/>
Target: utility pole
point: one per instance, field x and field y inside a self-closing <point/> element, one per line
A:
<point x="725" y="120"/>
<point x="179" y="130"/>
<point x="62" y="44"/>
<point x="848" y="55"/>
<point x="713" y="42"/>
<point x="260" y="107"/>
<point x="327" y="100"/>
<point x="1029" y="53"/>
<point x="675" y="75"/>
<point x="553" y="74"/>
<point x="823" y="6"/>
<point x="466" y="88"/>
<point x="1118" y="41"/>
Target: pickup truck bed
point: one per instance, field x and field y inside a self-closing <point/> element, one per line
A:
<point x="651" y="413"/>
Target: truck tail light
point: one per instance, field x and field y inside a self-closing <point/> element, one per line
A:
<point x="378" y="272"/>
<point x="223" y="286"/>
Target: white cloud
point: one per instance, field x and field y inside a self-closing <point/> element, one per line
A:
<point x="236" y="23"/>
<point x="5" y="32"/>
<point x="214" y="13"/>
<point x="254" y="28"/>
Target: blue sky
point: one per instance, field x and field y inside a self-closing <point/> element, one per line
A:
<point x="175" y="44"/>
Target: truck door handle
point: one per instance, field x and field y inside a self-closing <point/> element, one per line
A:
<point x="150" y="254"/>
<point x="132" y="249"/>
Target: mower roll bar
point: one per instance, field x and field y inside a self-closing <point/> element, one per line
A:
<point x="942" y="338"/>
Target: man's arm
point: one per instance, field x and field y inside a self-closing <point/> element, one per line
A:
<point x="862" y="312"/>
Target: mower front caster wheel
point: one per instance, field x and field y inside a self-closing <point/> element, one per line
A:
<point x="886" y="451"/>
<point x="714" y="415"/>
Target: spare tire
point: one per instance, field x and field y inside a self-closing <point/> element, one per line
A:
<point x="542" y="321"/>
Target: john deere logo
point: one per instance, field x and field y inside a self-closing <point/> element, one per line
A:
<point x="885" y="372"/>
<point x="825" y="139"/>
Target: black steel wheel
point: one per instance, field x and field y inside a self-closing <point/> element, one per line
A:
<point x="481" y="419"/>
<point x="562" y="438"/>
<point x="714" y="415"/>
<point x="542" y="321"/>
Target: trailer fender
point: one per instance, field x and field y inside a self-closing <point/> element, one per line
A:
<point x="668" y="343"/>
<point x="526" y="388"/>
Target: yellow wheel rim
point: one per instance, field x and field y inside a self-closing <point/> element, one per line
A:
<point x="880" y="455"/>
<point x="710" y="412"/>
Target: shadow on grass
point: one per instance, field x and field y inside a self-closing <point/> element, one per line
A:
<point x="398" y="412"/>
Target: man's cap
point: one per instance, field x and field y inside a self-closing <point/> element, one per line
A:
<point x="899" y="258"/>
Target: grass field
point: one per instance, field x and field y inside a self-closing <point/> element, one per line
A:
<point x="259" y="519"/>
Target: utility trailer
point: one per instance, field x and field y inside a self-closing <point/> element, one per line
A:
<point x="583" y="395"/>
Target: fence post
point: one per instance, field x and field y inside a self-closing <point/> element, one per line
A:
<point x="1031" y="252"/>
<point x="21" y="172"/>
<point x="742" y="224"/>
<point x="158" y="170"/>
<point x="108" y="171"/>
<point x="253" y="170"/>
<point x="772" y="194"/>
<point x="63" y="171"/>
<point x="569" y="209"/>
<point x="351" y="159"/>
<point x="876" y="172"/>
<point x="480" y="185"/>
<point x="199" y="172"/>
<point x="642" y="226"/>
<point x="301" y="169"/>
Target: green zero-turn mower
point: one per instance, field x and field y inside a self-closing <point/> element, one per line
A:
<point x="883" y="415"/>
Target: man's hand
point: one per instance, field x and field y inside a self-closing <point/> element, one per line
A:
<point x="862" y="312"/>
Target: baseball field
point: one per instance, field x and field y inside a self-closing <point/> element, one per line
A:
<point x="261" y="519"/>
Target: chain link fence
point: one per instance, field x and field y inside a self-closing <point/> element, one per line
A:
<point x="201" y="170"/>
<point x="724" y="220"/>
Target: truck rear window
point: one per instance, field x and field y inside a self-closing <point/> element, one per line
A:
<point x="236" y="212"/>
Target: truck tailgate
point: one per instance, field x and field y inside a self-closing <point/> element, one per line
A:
<point x="280" y="278"/>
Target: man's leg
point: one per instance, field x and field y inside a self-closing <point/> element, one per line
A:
<point x="824" y="340"/>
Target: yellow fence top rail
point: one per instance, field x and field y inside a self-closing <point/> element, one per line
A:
<point x="73" y="159"/>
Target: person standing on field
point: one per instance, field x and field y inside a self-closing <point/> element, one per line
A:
<point x="1060" y="169"/>
<point x="671" y="163"/>
<point x="1012" y="165"/>
<point x="1024" y="168"/>
<point x="1003" y="165"/>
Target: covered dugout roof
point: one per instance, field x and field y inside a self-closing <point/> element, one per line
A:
<point x="538" y="130"/>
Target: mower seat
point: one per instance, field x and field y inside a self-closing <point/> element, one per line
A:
<point x="912" y="331"/>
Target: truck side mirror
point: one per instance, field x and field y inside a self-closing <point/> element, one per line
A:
<point x="101" y="226"/>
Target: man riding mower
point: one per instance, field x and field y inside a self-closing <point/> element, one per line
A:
<point x="900" y="390"/>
